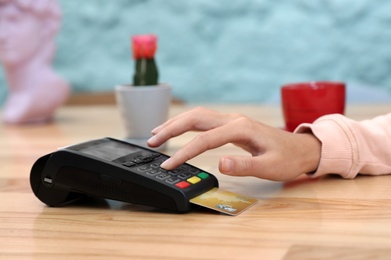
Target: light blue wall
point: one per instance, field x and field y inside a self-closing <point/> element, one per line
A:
<point x="230" y="51"/>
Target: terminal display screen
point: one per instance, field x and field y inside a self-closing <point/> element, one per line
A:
<point x="109" y="150"/>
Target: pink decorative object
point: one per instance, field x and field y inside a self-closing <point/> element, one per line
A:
<point x="27" y="32"/>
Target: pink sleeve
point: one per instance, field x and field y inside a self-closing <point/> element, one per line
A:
<point x="350" y="147"/>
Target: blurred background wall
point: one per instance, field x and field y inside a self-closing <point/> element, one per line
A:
<point x="229" y="51"/>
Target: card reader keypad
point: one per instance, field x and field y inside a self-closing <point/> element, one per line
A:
<point x="149" y="164"/>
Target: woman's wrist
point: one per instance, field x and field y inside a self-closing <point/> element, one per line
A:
<point x="310" y="153"/>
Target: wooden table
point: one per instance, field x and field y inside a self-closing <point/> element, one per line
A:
<point x="305" y="219"/>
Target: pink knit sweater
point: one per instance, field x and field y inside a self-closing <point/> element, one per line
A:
<point x="351" y="147"/>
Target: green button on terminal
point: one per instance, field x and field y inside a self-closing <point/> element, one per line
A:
<point x="203" y="175"/>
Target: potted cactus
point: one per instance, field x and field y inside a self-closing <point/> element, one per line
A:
<point x="144" y="49"/>
<point x="144" y="104"/>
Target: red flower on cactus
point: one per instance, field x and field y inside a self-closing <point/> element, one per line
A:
<point x="144" y="46"/>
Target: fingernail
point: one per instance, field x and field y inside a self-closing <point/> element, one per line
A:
<point x="152" y="140"/>
<point x="166" y="163"/>
<point x="226" y="165"/>
<point x="155" y="130"/>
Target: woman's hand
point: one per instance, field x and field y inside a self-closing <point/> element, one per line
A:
<point x="276" y="154"/>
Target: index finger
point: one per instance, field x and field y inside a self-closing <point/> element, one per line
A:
<point x="205" y="141"/>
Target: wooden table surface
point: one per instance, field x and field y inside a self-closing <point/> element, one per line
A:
<point x="321" y="218"/>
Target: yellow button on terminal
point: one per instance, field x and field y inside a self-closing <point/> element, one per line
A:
<point x="194" y="180"/>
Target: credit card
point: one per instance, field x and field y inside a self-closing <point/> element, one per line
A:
<point x="224" y="201"/>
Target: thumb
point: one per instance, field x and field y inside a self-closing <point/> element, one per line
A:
<point x="239" y="166"/>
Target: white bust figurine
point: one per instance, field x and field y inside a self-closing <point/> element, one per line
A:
<point x="27" y="45"/>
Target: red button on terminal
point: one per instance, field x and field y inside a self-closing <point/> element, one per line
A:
<point x="183" y="184"/>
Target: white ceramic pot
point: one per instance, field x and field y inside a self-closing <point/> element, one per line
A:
<point x="142" y="109"/>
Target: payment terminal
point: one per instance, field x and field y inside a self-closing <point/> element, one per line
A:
<point x="117" y="170"/>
